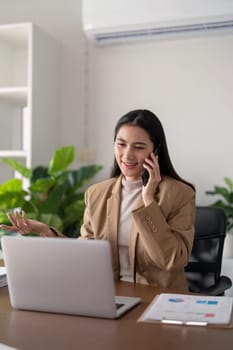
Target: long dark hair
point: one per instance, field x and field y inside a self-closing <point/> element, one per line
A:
<point x="148" y="121"/>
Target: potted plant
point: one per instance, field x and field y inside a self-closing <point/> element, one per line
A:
<point x="54" y="194"/>
<point x="225" y="201"/>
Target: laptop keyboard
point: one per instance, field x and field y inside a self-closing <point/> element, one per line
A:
<point x="118" y="305"/>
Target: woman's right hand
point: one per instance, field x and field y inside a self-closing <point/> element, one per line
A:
<point x="27" y="226"/>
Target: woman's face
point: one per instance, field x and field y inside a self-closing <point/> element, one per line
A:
<point x="132" y="146"/>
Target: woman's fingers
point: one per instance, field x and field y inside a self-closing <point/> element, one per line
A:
<point x="9" y="228"/>
<point x="152" y="166"/>
<point x="18" y="223"/>
<point x="12" y="219"/>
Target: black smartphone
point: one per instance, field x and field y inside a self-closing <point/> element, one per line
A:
<point x="145" y="173"/>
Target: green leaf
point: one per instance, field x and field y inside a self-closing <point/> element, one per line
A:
<point x="20" y="168"/>
<point x="43" y="185"/>
<point x="229" y="182"/>
<point x="39" y="172"/>
<point x="53" y="201"/>
<point x="222" y="191"/>
<point x="49" y="219"/>
<point x="230" y="198"/>
<point x="78" y="178"/>
<point x="74" y="212"/>
<point x="61" y="159"/>
<point x="71" y="198"/>
<point x="12" y="185"/>
<point x="11" y="200"/>
<point x="3" y="218"/>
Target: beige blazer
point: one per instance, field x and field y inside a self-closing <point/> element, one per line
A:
<point x="161" y="234"/>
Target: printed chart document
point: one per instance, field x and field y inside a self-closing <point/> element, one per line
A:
<point x="3" y="277"/>
<point x="189" y="310"/>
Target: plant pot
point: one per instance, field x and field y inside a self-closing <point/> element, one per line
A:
<point x="228" y="245"/>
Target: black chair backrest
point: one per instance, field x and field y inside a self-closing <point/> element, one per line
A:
<point x="204" y="267"/>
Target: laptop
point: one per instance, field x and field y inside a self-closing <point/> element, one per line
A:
<point x="63" y="275"/>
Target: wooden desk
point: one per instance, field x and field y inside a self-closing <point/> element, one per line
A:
<point x="28" y="330"/>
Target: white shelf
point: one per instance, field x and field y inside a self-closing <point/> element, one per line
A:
<point x="29" y="95"/>
<point x="13" y="154"/>
<point x="15" y="34"/>
<point x="16" y="95"/>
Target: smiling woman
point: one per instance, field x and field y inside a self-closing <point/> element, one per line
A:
<point x="132" y="147"/>
<point x="133" y="152"/>
<point x="150" y="227"/>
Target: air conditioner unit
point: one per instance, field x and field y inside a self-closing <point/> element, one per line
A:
<point x="120" y="21"/>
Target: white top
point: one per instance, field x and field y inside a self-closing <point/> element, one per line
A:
<point x="131" y="191"/>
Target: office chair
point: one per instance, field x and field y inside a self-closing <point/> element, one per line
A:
<point x="203" y="271"/>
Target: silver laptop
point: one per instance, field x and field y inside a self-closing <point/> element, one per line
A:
<point x="63" y="275"/>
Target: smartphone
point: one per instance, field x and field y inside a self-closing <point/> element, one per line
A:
<point x="145" y="173"/>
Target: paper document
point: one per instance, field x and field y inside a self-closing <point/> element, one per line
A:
<point x="3" y="277"/>
<point x="189" y="309"/>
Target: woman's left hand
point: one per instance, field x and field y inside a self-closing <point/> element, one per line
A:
<point x="152" y="166"/>
<point x="27" y="226"/>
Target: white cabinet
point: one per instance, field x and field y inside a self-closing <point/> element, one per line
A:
<point x="29" y="95"/>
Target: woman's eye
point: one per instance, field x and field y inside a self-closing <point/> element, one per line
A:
<point x="139" y="147"/>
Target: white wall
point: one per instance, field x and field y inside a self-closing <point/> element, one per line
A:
<point x="188" y="83"/>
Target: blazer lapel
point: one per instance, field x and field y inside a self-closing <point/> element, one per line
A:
<point x="113" y="208"/>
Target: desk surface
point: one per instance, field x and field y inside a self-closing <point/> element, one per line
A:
<point x="28" y="330"/>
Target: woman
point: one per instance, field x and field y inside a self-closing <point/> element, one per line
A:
<point x="150" y="226"/>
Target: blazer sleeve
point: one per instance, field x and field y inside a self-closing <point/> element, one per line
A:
<point x="166" y="235"/>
